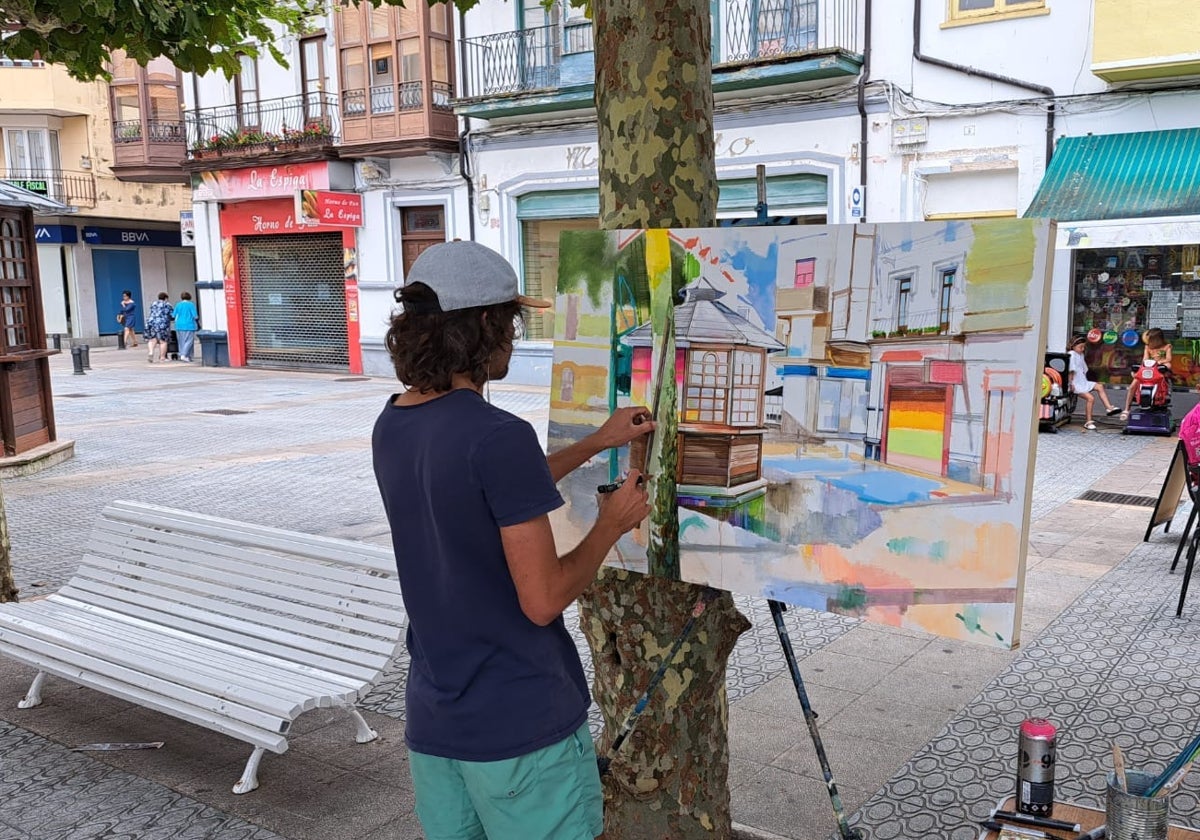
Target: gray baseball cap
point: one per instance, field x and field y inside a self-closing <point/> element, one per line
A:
<point x="466" y="274"/>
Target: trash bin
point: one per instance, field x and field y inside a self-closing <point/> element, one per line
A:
<point x="214" y="348"/>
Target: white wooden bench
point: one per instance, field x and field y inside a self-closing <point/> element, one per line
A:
<point x="234" y="627"/>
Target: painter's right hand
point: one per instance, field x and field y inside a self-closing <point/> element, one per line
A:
<point x="624" y="508"/>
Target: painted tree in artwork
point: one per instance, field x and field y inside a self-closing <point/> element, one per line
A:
<point x="658" y="170"/>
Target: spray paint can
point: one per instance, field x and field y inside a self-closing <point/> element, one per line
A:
<point x="1035" y="767"/>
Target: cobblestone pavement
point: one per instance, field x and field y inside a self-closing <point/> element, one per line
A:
<point x="920" y="731"/>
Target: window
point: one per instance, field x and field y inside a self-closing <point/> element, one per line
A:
<point x="947" y="291"/>
<point x="420" y="227"/>
<point x="972" y="10"/>
<point x="903" y="294"/>
<point x="354" y="81"/>
<point x="747" y="387"/>
<point x="33" y="160"/>
<point x="245" y="91"/>
<point x="707" y="387"/>
<point x="806" y="272"/>
<point x="15" y="292"/>
<point x="383" y="90"/>
<point x="312" y="77"/>
<point x="145" y="101"/>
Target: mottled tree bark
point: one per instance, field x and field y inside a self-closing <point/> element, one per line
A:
<point x="657" y="169"/>
<point x="8" y="588"/>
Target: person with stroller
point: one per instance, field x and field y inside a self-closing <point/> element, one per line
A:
<point x="1156" y="349"/>
<point x="1086" y="389"/>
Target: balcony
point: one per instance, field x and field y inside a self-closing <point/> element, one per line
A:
<point x="301" y="127"/>
<point x="407" y="118"/>
<point x="150" y="151"/>
<point x="924" y="323"/>
<point x="756" y="43"/>
<point x="1147" y="39"/>
<point x="77" y="189"/>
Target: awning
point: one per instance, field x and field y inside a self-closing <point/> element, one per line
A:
<point x="1122" y="176"/>
<point x="13" y="196"/>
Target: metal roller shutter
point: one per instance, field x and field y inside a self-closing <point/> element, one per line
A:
<point x="294" y="300"/>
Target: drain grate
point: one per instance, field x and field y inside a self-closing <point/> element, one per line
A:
<point x="1118" y="499"/>
<point x="353" y="379"/>
<point x="222" y="411"/>
<point x="73" y="396"/>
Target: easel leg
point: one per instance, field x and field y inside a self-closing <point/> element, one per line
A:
<point x="810" y="718"/>
<point x="1187" y="574"/>
<point x="1183" y="538"/>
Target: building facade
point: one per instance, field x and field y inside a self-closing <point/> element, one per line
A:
<point x="111" y="153"/>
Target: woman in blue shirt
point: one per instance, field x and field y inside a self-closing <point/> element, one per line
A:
<point x="187" y="321"/>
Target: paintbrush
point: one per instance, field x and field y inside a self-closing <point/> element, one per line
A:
<point x="1174" y="782"/>
<point x="1189" y="753"/>
<point x="1119" y="769"/>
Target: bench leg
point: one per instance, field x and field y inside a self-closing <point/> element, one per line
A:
<point x="365" y="734"/>
<point x="249" y="780"/>
<point x="33" y="697"/>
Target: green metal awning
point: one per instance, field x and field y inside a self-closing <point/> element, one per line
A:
<point x="1122" y="176"/>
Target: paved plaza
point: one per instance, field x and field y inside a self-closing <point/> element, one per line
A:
<point x="921" y="732"/>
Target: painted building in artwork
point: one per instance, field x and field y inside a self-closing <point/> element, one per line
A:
<point x="721" y="368"/>
<point x="111" y="153"/>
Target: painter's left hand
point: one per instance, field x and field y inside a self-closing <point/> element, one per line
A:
<point x="624" y="425"/>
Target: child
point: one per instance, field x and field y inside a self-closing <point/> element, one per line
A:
<point x="1085" y="387"/>
<point x="1158" y="350"/>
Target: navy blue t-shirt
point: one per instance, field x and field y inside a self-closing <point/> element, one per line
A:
<point x="485" y="682"/>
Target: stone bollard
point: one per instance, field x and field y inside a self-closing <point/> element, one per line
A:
<point x="77" y="360"/>
<point x="86" y="352"/>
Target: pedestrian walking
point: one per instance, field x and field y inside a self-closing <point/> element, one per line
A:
<point x="127" y="318"/>
<point x="187" y="321"/>
<point x="496" y="700"/>
<point x="158" y="328"/>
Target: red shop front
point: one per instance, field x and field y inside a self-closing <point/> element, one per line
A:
<point x="290" y="279"/>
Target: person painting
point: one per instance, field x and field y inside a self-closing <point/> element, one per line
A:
<point x="496" y="699"/>
<point x="1086" y="389"/>
<point x="1155" y="348"/>
<point x="187" y="321"/>
<point x="127" y="318"/>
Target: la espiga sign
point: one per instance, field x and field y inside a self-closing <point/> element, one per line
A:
<point x="329" y="209"/>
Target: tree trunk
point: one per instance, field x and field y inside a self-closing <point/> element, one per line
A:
<point x="658" y="169"/>
<point x="8" y="588"/>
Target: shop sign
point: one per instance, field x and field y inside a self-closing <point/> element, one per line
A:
<point x="46" y="234"/>
<point x="132" y="236"/>
<point x="330" y="209"/>
<point x="34" y="185"/>
<point x="260" y="182"/>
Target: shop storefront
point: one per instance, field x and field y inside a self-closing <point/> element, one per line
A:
<point x="288" y="264"/>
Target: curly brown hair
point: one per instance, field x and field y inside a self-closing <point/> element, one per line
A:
<point x="429" y="346"/>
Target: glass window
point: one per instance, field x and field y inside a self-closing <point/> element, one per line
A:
<point x="1119" y="293"/>
<point x="354" y="82"/>
<point x="903" y="293"/>
<point x="383" y="90"/>
<point x="381" y="21"/>
<point x="126" y="103"/>
<point x="350" y="28"/>
<point x="410" y="60"/>
<point x="245" y="88"/>
<point x="975" y="9"/>
<point x="409" y="18"/>
<point x="947" y="294"/>
<point x="440" y="56"/>
<point x="707" y="387"/>
<point x="747" y="388"/>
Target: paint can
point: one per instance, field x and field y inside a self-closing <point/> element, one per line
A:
<point x="1035" y="767"/>
<point x="1132" y="815"/>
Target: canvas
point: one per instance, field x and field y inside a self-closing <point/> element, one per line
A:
<point x="845" y="414"/>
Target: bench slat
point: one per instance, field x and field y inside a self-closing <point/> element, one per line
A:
<point x="349" y="663"/>
<point x="178" y="588"/>
<point x="71" y="654"/>
<point x="221" y="665"/>
<point x="251" y="624"/>
<point x="318" y="575"/>
<point x="230" y="573"/>
<point x="206" y="718"/>
<point x="242" y="533"/>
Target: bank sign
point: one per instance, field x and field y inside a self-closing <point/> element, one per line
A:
<point x="132" y="236"/>
<point x="47" y="234"/>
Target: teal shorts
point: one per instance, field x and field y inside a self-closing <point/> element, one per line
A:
<point x="550" y="794"/>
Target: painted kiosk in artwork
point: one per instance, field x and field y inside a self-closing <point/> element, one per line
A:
<point x="845" y="414"/>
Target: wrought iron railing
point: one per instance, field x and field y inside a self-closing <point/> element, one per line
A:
<point x="158" y="131"/>
<point x="307" y="119"/>
<point x="511" y="62"/>
<point x="751" y="30"/>
<point x="915" y="322"/>
<point x="75" y="188"/>
<point x="743" y="30"/>
<point x="443" y="97"/>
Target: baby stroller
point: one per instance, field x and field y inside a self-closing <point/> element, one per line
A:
<point x="1151" y="411"/>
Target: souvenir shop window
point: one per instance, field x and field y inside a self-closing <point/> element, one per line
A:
<point x="1120" y="293"/>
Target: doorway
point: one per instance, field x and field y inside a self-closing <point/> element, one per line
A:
<point x="115" y="271"/>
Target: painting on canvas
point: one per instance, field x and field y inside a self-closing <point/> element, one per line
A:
<point x="845" y="413"/>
